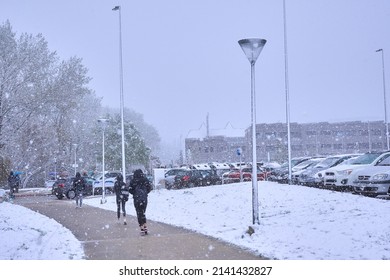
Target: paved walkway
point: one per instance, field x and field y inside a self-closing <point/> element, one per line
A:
<point x="104" y="238"/>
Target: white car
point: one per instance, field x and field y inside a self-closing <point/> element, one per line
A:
<point x="339" y="177"/>
<point x="314" y="177"/>
<point x="373" y="180"/>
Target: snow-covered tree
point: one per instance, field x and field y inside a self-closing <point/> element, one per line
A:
<point x="137" y="153"/>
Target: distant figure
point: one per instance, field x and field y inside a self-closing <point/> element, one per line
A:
<point x="79" y="186"/>
<point x="139" y="188"/>
<point x="122" y="196"/>
<point x="13" y="184"/>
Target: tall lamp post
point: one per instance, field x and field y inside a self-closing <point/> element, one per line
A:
<point x="75" y="159"/>
<point x="118" y="8"/>
<point x="286" y="84"/>
<point x="103" y="123"/>
<point x="252" y="49"/>
<point x="384" y="96"/>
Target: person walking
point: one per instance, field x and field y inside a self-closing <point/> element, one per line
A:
<point x="79" y="186"/>
<point x="122" y="196"/>
<point x="12" y="184"/>
<point x="140" y="188"/>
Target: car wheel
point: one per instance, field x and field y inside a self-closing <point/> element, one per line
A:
<point x="71" y="194"/>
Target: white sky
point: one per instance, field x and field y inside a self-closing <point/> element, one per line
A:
<point x="181" y="59"/>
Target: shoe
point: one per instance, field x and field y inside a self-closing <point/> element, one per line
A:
<point x="145" y="229"/>
<point x="124" y="221"/>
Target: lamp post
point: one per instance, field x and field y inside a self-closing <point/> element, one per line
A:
<point x="286" y="84"/>
<point x="55" y="168"/>
<point x="118" y="8"/>
<point x="384" y="96"/>
<point x="75" y="159"/>
<point x="103" y="123"/>
<point x="252" y="49"/>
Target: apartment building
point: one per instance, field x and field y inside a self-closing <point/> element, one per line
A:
<point x="307" y="139"/>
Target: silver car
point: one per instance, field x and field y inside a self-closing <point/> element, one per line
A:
<point x="373" y="180"/>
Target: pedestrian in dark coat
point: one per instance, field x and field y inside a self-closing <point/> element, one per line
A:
<point x="122" y="195"/>
<point x="13" y="184"/>
<point x="139" y="188"/>
<point x="79" y="186"/>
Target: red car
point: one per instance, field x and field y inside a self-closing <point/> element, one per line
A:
<point x="234" y="175"/>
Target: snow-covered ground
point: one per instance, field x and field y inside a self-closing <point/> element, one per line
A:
<point x="296" y="223"/>
<point x="27" y="235"/>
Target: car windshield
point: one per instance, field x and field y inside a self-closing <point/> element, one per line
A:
<point x="385" y="161"/>
<point x="306" y="164"/>
<point x="327" y="162"/>
<point x="348" y="161"/>
<point x="366" y="158"/>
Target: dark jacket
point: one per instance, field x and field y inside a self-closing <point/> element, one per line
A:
<point x="140" y="187"/>
<point x="120" y="189"/>
<point x="78" y="183"/>
<point x="13" y="180"/>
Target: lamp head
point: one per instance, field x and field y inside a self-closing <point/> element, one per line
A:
<point x="252" y="48"/>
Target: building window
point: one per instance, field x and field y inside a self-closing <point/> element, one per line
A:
<point x="351" y="146"/>
<point x="338" y="146"/>
<point x="326" y="146"/>
<point x="363" y="132"/>
<point x="377" y="145"/>
<point x="351" y="133"/>
<point x="296" y="147"/>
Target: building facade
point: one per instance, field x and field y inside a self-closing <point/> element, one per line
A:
<point x="309" y="139"/>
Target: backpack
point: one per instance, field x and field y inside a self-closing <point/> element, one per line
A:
<point x="125" y="192"/>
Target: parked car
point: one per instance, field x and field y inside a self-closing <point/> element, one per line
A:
<point x="298" y="169"/>
<point x="234" y="176"/>
<point x="210" y="177"/>
<point x="63" y="187"/>
<point x="338" y="177"/>
<point x="169" y="176"/>
<point x="373" y="180"/>
<point x="109" y="181"/>
<point x="188" y="179"/>
<point x="108" y="186"/>
<point x="314" y="177"/>
<point x="280" y="174"/>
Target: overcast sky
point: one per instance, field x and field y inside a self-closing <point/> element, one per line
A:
<point x="181" y="59"/>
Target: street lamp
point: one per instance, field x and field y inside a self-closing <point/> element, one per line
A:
<point x="103" y="123"/>
<point x="252" y="49"/>
<point x="286" y="84"/>
<point x="75" y="159"/>
<point x="118" y="8"/>
<point x="55" y="168"/>
<point x="384" y="96"/>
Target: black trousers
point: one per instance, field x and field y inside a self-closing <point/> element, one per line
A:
<point x="120" y="203"/>
<point x="140" y="208"/>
